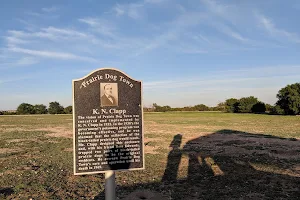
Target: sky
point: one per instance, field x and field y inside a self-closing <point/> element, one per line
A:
<point x="185" y="52"/>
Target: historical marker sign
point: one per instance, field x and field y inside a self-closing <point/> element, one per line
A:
<point x="107" y="122"/>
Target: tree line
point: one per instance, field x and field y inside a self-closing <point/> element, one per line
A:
<point x="288" y="103"/>
<point x="27" y="109"/>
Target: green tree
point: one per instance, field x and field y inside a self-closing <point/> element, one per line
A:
<point x="158" y="108"/>
<point x="232" y="105"/>
<point x="68" y="110"/>
<point x="55" y="108"/>
<point x="25" y="109"/>
<point x="276" y="110"/>
<point x="201" y="107"/>
<point x="9" y="113"/>
<point x="289" y="99"/>
<point x="269" y="107"/>
<point x="40" y="109"/>
<point x="259" y="107"/>
<point x="221" y="106"/>
<point x="246" y="104"/>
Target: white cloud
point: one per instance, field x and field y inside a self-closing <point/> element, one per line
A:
<point x="201" y="37"/>
<point x="40" y="34"/>
<point x="35" y="14"/>
<point x="172" y="32"/>
<point x="229" y="32"/>
<point x="246" y="76"/>
<point x="50" y="9"/>
<point x="14" y="40"/>
<point x="181" y="8"/>
<point x="154" y="1"/>
<point x="14" y="79"/>
<point x="51" y="54"/>
<point x="167" y="34"/>
<point x="209" y="88"/>
<point x="90" y="21"/>
<point x="26" y="61"/>
<point x="227" y="12"/>
<point x="270" y="27"/>
<point x="64" y="32"/>
<point x="132" y="10"/>
<point x="119" y="10"/>
<point x="53" y="34"/>
<point x="188" y="48"/>
<point x="23" y="61"/>
<point x="102" y="26"/>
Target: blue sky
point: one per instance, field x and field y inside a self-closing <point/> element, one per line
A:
<point x="185" y="52"/>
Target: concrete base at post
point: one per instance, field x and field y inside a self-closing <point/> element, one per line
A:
<point x="110" y="185"/>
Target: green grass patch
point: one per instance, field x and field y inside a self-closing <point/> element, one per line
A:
<point x="34" y="165"/>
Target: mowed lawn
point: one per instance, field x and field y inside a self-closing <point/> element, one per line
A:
<point x="189" y="155"/>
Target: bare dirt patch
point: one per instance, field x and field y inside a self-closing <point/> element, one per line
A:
<point x="21" y="140"/>
<point x="6" y="129"/>
<point x="149" y="148"/>
<point x="8" y="150"/>
<point x="154" y="127"/>
<point x="58" y="132"/>
<point x="68" y="149"/>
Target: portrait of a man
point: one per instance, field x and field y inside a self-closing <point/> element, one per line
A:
<point x="109" y="94"/>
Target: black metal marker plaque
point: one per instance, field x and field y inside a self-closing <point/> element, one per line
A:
<point x="107" y="122"/>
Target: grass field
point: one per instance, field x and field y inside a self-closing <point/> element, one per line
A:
<point x="189" y="155"/>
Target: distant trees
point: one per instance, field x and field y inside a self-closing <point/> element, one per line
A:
<point x="25" y="109"/>
<point x="55" y="108"/>
<point x="40" y="109"/>
<point x="68" y="110"/>
<point x="232" y="105"/>
<point x="289" y="99"/>
<point x="158" y="108"/>
<point x="198" y="107"/>
<point x="269" y="107"/>
<point x="259" y="107"/>
<point x="288" y="104"/>
<point x="276" y="110"/>
<point x="201" y="107"/>
<point x="246" y="104"/>
<point x="220" y="107"/>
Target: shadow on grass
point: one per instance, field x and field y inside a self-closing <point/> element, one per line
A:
<point x="4" y="192"/>
<point x="229" y="165"/>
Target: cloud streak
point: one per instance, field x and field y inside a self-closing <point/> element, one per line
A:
<point x="51" y="54"/>
<point x="24" y="61"/>
<point x="231" y="77"/>
<point x="50" y="9"/>
<point x="271" y="28"/>
<point x="13" y="79"/>
<point x="131" y="10"/>
<point x="134" y="10"/>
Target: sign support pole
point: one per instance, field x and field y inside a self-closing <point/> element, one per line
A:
<point x="110" y="185"/>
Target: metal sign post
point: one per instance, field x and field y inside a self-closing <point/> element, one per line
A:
<point x="110" y="185"/>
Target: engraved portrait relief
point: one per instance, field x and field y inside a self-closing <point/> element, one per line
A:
<point x="109" y="94"/>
